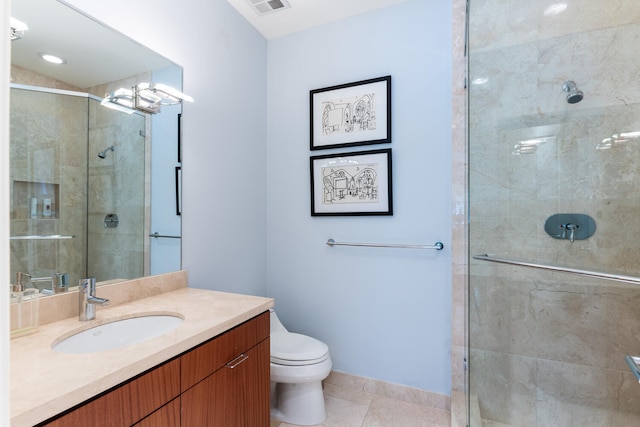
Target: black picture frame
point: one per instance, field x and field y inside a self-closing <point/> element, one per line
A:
<point x="351" y="114"/>
<point x="349" y="184"/>
<point x="178" y="190"/>
<point x="179" y="137"/>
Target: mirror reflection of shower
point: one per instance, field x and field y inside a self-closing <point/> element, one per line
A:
<point x="103" y="153"/>
<point x="575" y="95"/>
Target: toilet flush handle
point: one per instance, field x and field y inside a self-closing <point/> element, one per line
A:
<point x="238" y="360"/>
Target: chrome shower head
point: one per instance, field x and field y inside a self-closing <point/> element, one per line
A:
<point x="575" y="95"/>
<point x="103" y="153"/>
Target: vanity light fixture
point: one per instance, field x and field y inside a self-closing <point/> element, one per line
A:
<point x="146" y="97"/>
<point x="121" y="100"/>
<point x="52" y="58"/>
<point x="17" y="28"/>
<point x="530" y="146"/>
<point x="618" y="139"/>
<point x="151" y="96"/>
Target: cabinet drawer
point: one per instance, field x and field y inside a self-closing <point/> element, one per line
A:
<point x="210" y="356"/>
<point x="234" y="396"/>
<point x="127" y="403"/>
<point x="108" y="410"/>
<point x="153" y="389"/>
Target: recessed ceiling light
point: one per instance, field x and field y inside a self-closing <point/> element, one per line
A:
<point x="51" y="58"/>
<point x="479" y="80"/>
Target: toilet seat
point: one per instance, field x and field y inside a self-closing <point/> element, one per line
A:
<point x="291" y="349"/>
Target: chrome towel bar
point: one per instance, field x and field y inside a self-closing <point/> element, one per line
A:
<point x="437" y="246"/>
<point x="52" y="237"/>
<point x="163" y="236"/>
<point x="634" y="364"/>
<point x="595" y="274"/>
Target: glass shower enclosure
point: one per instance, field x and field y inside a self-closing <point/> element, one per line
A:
<point x="554" y="212"/>
<point x="75" y="167"/>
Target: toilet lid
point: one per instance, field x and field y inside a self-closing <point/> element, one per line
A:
<point x="288" y="348"/>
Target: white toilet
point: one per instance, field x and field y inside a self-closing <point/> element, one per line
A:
<point x="298" y="365"/>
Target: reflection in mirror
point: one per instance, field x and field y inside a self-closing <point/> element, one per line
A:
<point x="87" y="189"/>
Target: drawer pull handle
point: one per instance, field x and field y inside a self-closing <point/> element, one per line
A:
<point x="238" y="360"/>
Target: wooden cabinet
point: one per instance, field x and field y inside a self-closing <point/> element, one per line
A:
<point x="222" y="382"/>
<point x="237" y="395"/>
<point x="128" y="403"/>
<point x="225" y="381"/>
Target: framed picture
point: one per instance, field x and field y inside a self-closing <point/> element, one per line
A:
<point x="356" y="183"/>
<point x="178" y="190"/>
<point x="351" y="114"/>
<point x="180" y="138"/>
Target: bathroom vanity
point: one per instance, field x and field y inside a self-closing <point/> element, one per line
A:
<point x="213" y="369"/>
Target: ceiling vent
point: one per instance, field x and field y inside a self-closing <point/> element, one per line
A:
<point x="263" y="7"/>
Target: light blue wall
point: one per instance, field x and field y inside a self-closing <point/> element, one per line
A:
<point x="385" y="313"/>
<point x="224" y="153"/>
<point x="166" y="254"/>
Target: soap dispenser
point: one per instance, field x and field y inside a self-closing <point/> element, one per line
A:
<point x="24" y="308"/>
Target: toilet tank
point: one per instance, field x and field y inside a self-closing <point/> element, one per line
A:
<point x="276" y="324"/>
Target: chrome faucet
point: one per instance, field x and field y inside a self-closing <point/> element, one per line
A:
<point x="572" y="231"/>
<point x="88" y="299"/>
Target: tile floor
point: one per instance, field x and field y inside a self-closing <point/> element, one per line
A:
<point x="350" y="408"/>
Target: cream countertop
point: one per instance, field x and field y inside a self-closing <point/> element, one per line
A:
<point x="45" y="383"/>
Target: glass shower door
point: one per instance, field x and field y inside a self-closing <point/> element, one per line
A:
<point x="554" y="138"/>
<point x="79" y="186"/>
<point x="117" y="206"/>
<point x="48" y="189"/>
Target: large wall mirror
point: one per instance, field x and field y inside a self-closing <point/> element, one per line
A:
<point x="94" y="191"/>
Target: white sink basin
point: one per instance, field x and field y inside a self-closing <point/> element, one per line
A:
<point x="118" y="333"/>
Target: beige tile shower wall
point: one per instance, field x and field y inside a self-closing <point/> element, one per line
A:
<point x="48" y="139"/>
<point x="23" y="76"/>
<point x="548" y="349"/>
<point x="131" y="183"/>
<point x="125" y="188"/>
<point x="523" y="99"/>
<point x="116" y="186"/>
<point x="499" y="23"/>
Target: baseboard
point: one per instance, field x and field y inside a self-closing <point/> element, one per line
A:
<point x="394" y="391"/>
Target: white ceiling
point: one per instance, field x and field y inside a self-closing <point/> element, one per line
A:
<point x="304" y="14"/>
<point x="113" y="56"/>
